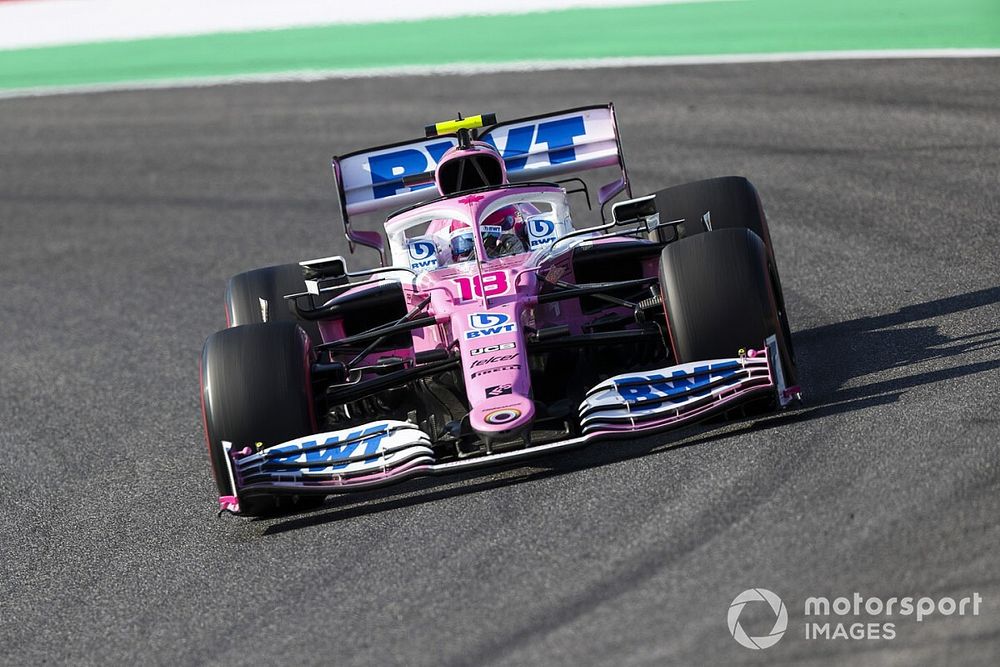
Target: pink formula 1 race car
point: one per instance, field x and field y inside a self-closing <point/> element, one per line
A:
<point x="495" y="328"/>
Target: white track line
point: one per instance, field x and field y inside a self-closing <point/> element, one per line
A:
<point x="461" y="69"/>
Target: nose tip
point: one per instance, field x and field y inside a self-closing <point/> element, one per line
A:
<point x="502" y="417"/>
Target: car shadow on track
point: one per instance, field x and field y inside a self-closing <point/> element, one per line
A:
<point x="836" y="356"/>
<point x="831" y="358"/>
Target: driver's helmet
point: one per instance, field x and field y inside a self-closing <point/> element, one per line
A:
<point x="504" y="232"/>
<point x="462" y="242"/>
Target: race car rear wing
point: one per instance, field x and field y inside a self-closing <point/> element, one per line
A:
<point x="533" y="148"/>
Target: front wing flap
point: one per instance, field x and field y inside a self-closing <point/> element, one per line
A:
<point x="386" y="452"/>
<point x="637" y="401"/>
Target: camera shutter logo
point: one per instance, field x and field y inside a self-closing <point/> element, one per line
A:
<point x="757" y="595"/>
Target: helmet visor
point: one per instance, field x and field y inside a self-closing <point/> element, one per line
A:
<point x="462" y="246"/>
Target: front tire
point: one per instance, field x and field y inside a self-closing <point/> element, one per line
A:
<point x="256" y="388"/>
<point x="717" y="295"/>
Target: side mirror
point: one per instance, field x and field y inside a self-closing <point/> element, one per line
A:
<point x="640" y="211"/>
<point x="323" y="272"/>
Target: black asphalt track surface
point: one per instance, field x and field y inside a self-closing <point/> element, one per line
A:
<point x="122" y="215"/>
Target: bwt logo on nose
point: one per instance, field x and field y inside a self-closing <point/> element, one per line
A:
<point x="489" y="324"/>
<point x="486" y="320"/>
<point x="390" y="168"/>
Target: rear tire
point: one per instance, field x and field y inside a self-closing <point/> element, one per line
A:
<point x="256" y="387"/>
<point x="251" y="294"/>
<point x="717" y="295"/>
<point x="731" y="202"/>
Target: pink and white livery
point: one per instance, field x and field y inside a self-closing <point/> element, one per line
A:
<point x="495" y="328"/>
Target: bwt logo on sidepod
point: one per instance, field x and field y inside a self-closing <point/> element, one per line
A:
<point x="489" y="324"/>
<point x="541" y="232"/>
<point x="423" y="254"/>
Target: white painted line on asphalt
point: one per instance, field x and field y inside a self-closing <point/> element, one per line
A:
<point x="466" y="69"/>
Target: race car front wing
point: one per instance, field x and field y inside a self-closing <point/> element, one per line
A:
<point x="386" y="452"/>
